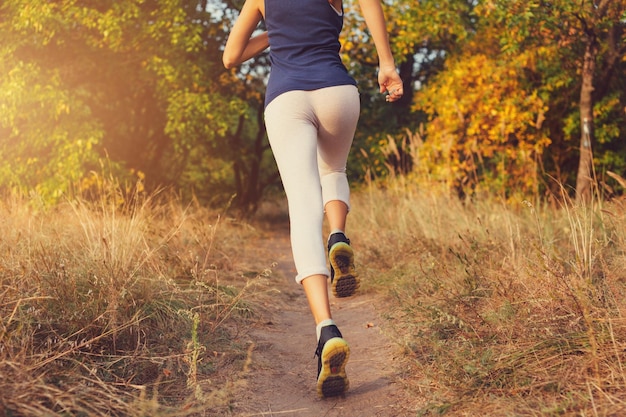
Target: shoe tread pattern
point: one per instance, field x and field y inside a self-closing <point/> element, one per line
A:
<point x="345" y="281"/>
<point x="332" y="380"/>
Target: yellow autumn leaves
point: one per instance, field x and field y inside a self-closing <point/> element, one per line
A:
<point x="480" y="120"/>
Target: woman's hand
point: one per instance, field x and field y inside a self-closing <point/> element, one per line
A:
<point x="388" y="77"/>
<point x="390" y="83"/>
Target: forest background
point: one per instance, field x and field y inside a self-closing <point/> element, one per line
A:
<point x="507" y="97"/>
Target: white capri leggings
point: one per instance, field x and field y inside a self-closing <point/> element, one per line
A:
<point x="310" y="133"/>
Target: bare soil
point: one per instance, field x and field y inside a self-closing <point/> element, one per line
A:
<point x="282" y="369"/>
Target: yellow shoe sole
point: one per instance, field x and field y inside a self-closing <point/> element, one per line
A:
<point x="332" y="380"/>
<point x="346" y="281"/>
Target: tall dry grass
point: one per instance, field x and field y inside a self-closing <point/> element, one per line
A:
<point x="122" y="305"/>
<point x="501" y="308"/>
<point x="132" y="305"/>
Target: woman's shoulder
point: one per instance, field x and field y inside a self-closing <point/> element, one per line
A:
<point x="258" y="5"/>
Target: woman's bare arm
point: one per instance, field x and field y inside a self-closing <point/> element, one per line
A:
<point x="388" y="77"/>
<point x="240" y="45"/>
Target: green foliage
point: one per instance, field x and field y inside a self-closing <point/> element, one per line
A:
<point x="491" y="87"/>
<point x="139" y="82"/>
<point x="48" y="137"/>
<point x="566" y="28"/>
<point x="501" y="121"/>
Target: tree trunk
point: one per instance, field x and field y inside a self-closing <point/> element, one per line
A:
<point x="584" y="179"/>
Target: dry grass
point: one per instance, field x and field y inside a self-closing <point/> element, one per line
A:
<point x="501" y="309"/>
<point x="136" y="306"/>
<point x="122" y="306"/>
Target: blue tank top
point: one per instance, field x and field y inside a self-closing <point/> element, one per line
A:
<point x="304" y="46"/>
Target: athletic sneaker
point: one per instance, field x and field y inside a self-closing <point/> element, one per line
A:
<point x="333" y="353"/>
<point x="343" y="277"/>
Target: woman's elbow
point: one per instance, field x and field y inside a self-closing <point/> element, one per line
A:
<point x="228" y="61"/>
<point x="231" y="57"/>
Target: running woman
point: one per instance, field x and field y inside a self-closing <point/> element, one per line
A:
<point x="311" y="112"/>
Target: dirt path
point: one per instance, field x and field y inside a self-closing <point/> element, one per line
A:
<point x="283" y="369"/>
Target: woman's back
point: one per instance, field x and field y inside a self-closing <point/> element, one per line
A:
<point x="304" y="46"/>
